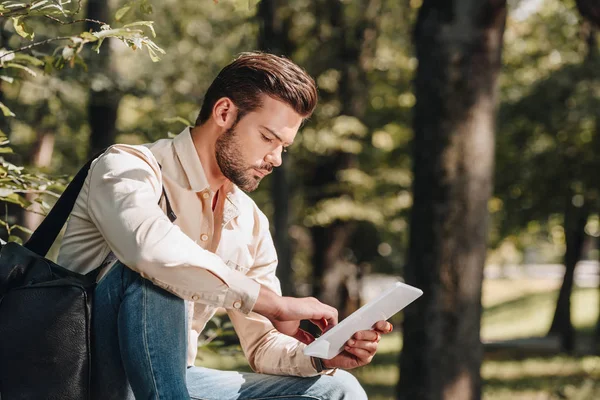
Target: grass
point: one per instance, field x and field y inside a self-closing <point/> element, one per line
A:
<point x="512" y="309"/>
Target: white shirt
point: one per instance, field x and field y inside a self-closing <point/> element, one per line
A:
<point x="211" y="259"/>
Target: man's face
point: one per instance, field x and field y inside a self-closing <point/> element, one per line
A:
<point x="249" y="150"/>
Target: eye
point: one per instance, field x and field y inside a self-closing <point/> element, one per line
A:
<point x="266" y="139"/>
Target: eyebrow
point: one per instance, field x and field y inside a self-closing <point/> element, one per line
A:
<point x="276" y="135"/>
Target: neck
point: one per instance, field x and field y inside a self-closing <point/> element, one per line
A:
<point x="205" y="140"/>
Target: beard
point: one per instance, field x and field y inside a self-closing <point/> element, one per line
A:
<point x="232" y="165"/>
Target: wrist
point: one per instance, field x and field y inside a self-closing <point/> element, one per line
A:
<point x="268" y="303"/>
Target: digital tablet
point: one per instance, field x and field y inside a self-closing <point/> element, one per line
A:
<point x="388" y="303"/>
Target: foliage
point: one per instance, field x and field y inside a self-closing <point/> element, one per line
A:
<point x="548" y="138"/>
<point x="543" y="52"/>
<point x="23" y="62"/>
<point x="15" y="181"/>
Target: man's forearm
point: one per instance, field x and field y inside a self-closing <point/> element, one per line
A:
<point x="267" y="303"/>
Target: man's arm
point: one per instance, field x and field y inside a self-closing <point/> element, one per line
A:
<point x="124" y="188"/>
<point x="267" y="350"/>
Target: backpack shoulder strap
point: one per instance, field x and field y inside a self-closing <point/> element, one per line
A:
<point x="44" y="236"/>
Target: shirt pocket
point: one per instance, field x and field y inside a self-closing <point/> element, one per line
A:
<point x="235" y="252"/>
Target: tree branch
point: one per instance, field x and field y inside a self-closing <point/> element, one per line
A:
<point x="35" y="45"/>
<point x="75" y="21"/>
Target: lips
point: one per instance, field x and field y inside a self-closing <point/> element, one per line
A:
<point x="261" y="173"/>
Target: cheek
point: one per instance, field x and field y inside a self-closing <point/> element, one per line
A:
<point x="254" y="152"/>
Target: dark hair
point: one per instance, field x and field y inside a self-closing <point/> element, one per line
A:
<point x="253" y="74"/>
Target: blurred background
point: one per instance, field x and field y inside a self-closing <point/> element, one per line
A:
<point x="455" y="147"/>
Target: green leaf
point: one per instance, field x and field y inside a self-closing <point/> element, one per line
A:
<point x="22" y="28"/>
<point x="121" y="12"/>
<point x="149" y="24"/>
<point x="16" y="199"/>
<point x="19" y="66"/>
<point x="13" y="238"/>
<point x="177" y="119"/>
<point x="4" y="192"/>
<point x="29" y="59"/>
<point x="22" y="229"/>
<point x="7" y="78"/>
<point x="96" y="48"/>
<point x="38" y="4"/>
<point x="6" y="111"/>
<point x="153" y="56"/>
<point x="88" y="36"/>
<point x="6" y="150"/>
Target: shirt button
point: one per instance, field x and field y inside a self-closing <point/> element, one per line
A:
<point x="195" y="297"/>
<point x="204" y="237"/>
<point x="237" y="305"/>
<point x="205" y="195"/>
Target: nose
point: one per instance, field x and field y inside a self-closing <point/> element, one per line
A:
<point x="274" y="157"/>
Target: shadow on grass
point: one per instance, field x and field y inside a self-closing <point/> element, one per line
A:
<point x="530" y="300"/>
<point x="527" y="301"/>
<point x="546" y="383"/>
<point x="385" y="391"/>
<point x="386" y="359"/>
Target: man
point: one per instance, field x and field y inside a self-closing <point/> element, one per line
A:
<point x="164" y="273"/>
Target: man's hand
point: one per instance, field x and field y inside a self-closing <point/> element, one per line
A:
<point x="360" y="349"/>
<point x="286" y="313"/>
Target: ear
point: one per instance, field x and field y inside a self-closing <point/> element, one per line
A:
<point x="224" y="113"/>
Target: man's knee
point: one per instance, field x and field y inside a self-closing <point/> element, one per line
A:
<point x="343" y="386"/>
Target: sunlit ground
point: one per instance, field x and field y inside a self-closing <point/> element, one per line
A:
<point x="513" y="309"/>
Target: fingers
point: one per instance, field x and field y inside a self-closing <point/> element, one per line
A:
<point x="325" y="312"/>
<point x="330" y="315"/>
<point x="371" y="336"/>
<point x="304" y="336"/>
<point x="321" y="323"/>
<point x="364" y="356"/>
<point x="367" y="345"/>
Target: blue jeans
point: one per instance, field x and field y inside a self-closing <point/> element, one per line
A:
<point x="139" y="351"/>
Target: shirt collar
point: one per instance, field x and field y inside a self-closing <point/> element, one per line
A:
<point x="188" y="157"/>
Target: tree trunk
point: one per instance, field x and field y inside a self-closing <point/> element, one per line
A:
<point x="104" y="97"/>
<point x="574" y="225"/>
<point x="458" y="45"/>
<point x="597" y="335"/>
<point x="273" y="38"/>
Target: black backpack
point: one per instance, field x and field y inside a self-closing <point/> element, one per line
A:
<point x="45" y="315"/>
<point x="45" y="312"/>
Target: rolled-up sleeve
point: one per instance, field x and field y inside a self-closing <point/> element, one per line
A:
<point x="269" y="351"/>
<point x="124" y="190"/>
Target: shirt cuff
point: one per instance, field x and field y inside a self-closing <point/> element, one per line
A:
<point x="242" y="293"/>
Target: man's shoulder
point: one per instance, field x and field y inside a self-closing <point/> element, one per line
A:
<point x="149" y="152"/>
<point x="123" y="157"/>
